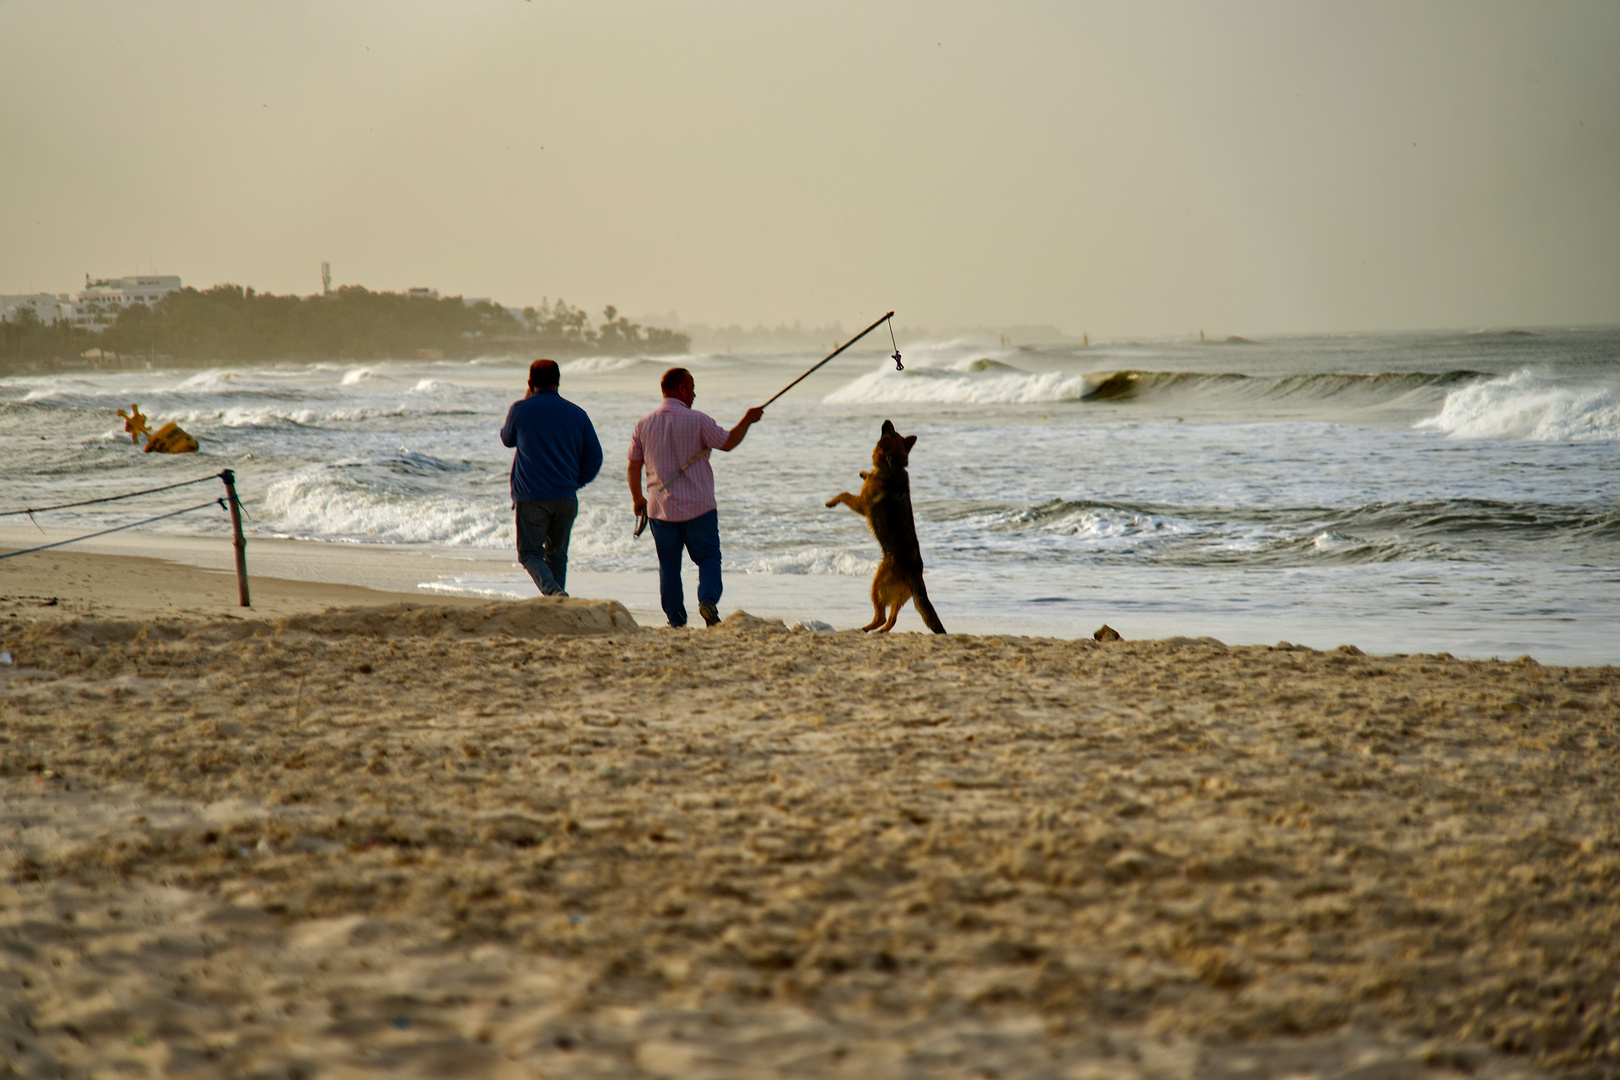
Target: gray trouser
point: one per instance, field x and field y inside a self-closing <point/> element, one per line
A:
<point x="543" y="529"/>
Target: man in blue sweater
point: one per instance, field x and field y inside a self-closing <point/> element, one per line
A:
<point x="557" y="454"/>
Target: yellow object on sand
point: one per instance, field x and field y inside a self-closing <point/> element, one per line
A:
<point x="170" y="439"/>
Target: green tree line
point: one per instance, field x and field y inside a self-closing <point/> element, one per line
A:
<point x="230" y="323"/>
<point x="23" y="336"/>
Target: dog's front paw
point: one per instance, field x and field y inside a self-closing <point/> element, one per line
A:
<point x="832" y="501"/>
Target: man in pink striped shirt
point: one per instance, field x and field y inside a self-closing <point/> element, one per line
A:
<point x="673" y="443"/>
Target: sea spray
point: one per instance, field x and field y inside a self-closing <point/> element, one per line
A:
<point x="1526" y="405"/>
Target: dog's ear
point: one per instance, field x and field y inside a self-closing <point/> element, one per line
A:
<point x="888" y="427"/>
<point x="911" y="440"/>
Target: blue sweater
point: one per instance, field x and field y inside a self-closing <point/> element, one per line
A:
<point x="557" y="451"/>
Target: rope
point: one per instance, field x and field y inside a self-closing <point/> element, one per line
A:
<point x="693" y="460"/>
<point x="220" y="502"/>
<point x="111" y="498"/>
<point x="832" y="354"/>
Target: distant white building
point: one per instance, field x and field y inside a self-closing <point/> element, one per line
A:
<point x="100" y="301"/>
<point x="49" y="307"/>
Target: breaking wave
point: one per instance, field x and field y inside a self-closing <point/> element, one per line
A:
<point x="361" y="502"/>
<point x="993" y="384"/>
<point x="589" y="364"/>
<point x="1525" y="406"/>
<point x="1446" y="530"/>
<point x="1129" y="385"/>
<point x="812" y="560"/>
<point x="987" y="381"/>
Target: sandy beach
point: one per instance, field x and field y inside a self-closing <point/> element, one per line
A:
<point x="343" y="835"/>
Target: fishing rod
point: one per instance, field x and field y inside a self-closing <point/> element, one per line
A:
<point x="641" y="520"/>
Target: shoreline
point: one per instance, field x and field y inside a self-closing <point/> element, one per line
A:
<point x="308" y="575"/>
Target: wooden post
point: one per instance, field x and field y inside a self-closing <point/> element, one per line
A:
<point x="229" y="476"/>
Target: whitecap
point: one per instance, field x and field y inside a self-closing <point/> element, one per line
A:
<point x="944" y="386"/>
<point x="318" y="503"/>
<point x="1527" y="406"/>
<point x="213" y="379"/>
<point x="587" y="364"/>
<point x="812" y="560"/>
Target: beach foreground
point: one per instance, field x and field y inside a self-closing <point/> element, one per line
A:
<point x="536" y="840"/>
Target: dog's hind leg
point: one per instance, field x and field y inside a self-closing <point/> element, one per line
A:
<point x="896" y="595"/>
<point x="894" y="612"/>
<point x="877" y="617"/>
<point x="883" y="584"/>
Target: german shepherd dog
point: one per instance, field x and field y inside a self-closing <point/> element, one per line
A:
<point x="885" y="502"/>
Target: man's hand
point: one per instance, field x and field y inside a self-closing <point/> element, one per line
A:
<point x="750" y="418"/>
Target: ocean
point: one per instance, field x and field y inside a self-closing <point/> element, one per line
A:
<point x="1429" y="492"/>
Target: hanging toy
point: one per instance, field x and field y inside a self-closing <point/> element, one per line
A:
<point x="898" y="366"/>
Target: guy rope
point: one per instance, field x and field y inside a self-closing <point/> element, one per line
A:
<point x="228" y="502"/>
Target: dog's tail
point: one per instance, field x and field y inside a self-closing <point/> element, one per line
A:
<point x="925" y="608"/>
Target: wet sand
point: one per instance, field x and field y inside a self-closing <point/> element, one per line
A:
<point x="536" y="839"/>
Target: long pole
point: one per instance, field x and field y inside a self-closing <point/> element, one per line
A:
<point x="229" y="476"/>
<point x="693" y="461"/>
<point x="830" y="355"/>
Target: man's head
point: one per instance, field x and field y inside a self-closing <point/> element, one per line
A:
<point x="678" y="383"/>
<point x="544" y="374"/>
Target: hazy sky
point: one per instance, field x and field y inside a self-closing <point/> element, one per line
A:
<point x="1121" y="168"/>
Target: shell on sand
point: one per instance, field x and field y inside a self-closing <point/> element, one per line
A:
<point x="515" y="840"/>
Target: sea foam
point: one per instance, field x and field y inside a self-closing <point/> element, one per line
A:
<point x="1525" y="406"/>
<point x="319" y="502"/>
<point x="951" y="386"/>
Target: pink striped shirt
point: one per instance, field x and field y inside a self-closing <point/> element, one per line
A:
<point x="667" y="438"/>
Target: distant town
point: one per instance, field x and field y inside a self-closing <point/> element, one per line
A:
<point x="146" y="320"/>
<point x="155" y="319"/>
<point x="96" y="306"/>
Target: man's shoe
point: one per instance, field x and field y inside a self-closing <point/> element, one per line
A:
<point x="710" y="613"/>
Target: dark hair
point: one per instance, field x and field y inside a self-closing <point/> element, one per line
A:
<point x="672" y="380"/>
<point x="544" y="373"/>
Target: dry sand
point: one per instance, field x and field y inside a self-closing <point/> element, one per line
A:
<point x="534" y="840"/>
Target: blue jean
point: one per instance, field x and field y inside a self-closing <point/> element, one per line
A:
<point x="543" y="529"/>
<point x="700" y="538"/>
